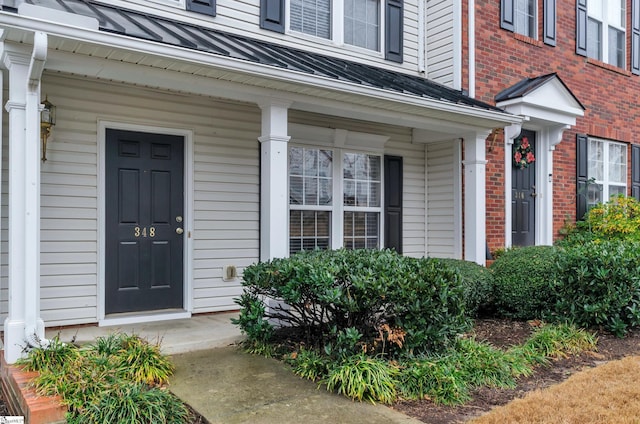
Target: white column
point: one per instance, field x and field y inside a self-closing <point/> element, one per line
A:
<point x="274" y="196"/>
<point x="18" y="65"/>
<point x="510" y="134"/>
<point x="475" y="230"/>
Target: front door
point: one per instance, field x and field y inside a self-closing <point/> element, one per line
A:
<point x="144" y="221"/>
<point x="523" y="190"/>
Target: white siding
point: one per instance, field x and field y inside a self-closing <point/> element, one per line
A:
<point x="225" y="198"/>
<point x="243" y="17"/>
<point x="225" y="184"/>
<point x="441" y="225"/>
<point x="439" y="43"/>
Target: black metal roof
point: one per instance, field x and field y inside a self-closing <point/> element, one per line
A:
<point x="527" y="85"/>
<point x="161" y="30"/>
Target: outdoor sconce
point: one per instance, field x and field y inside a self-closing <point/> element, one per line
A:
<point x="47" y="120"/>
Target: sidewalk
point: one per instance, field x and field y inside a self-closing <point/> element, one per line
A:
<point x="228" y="386"/>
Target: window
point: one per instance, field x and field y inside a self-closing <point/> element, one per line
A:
<point x="521" y="17"/>
<point x="313" y="206"/>
<point x="607" y="169"/>
<point x="311" y="17"/>
<point x="362" y="23"/>
<point x="606" y="31"/>
<point x="525" y="17"/>
<point x="359" y="23"/>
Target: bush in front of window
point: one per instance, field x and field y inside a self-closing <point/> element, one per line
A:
<point x="599" y="285"/>
<point x="350" y="301"/>
<point x="523" y="280"/>
<point x="619" y="218"/>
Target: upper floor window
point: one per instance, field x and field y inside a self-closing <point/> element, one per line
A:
<point x="607" y="168"/>
<point x="521" y="17"/>
<point x="376" y="25"/>
<point x="311" y="17"/>
<point x="525" y="13"/>
<point x="606" y="31"/>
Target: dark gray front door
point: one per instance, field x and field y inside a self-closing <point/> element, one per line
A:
<point x="523" y="191"/>
<point x="144" y="221"/>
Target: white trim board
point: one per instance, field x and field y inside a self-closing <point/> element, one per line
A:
<point x="102" y="125"/>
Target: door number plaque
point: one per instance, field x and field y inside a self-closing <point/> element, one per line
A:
<point x="144" y="232"/>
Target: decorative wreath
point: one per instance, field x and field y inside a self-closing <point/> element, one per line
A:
<point x="523" y="154"/>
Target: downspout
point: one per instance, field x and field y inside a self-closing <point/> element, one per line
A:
<point x="472" y="48"/>
<point x="34" y="327"/>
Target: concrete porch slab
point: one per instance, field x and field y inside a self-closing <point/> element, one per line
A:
<point x="204" y="331"/>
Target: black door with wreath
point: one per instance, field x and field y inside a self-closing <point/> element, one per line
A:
<point x="523" y="189"/>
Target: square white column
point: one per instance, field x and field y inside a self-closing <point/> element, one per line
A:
<point x="475" y="204"/>
<point x="274" y="193"/>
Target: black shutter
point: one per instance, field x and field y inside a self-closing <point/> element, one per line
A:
<point x="394" y="30"/>
<point x="549" y="24"/>
<point x="272" y="15"/>
<point x="507" y="15"/>
<point x="635" y="171"/>
<point x="581" y="27"/>
<point x="206" y="7"/>
<point x="582" y="167"/>
<point x="635" y="37"/>
<point x="393" y="203"/>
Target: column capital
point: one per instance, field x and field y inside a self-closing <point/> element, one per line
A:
<point x="14" y="55"/>
<point x="266" y="138"/>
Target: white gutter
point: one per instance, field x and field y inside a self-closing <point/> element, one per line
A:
<point x="242" y="66"/>
<point x="34" y="334"/>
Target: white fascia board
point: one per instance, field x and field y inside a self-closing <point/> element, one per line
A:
<point x="244" y="67"/>
<point x="538" y="113"/>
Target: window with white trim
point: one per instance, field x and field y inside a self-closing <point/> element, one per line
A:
<point x="333" y="184"/>
<point x="607" y="169"/>
<point x="358" y="24"/>
<point x="606" y="23"/>
<point x="525" y="17"/>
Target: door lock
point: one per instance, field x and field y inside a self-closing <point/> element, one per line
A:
<point x="179" y="230"/>
<point x="178" y="218"/>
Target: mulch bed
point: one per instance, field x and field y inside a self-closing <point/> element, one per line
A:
<point x="504" y="333"/>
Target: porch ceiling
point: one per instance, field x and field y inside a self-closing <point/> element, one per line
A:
<point x="137" y="48"/>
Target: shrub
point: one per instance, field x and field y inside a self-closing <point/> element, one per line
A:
<point x="346" y="301"/>
<point x="108" y="381"/>
<point x="619" y="218"/>
<point x="599" y="285"/>
<point x="523" y="281"/>
<point x="477" y="286"/>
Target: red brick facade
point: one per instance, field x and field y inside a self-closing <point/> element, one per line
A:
<point x="610" y="96"/>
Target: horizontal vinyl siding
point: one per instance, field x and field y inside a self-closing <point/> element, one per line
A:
<point x="399" y="144"/>
<point x="440" y="200"/>
<point x="242" y="17"/>
<point x="439" y="43"/>
<point x="225" y="194"/>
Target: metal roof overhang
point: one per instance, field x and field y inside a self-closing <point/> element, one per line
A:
<point x="98" y="54"/>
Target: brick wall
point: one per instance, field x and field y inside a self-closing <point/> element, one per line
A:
<point x="610" y="95"/>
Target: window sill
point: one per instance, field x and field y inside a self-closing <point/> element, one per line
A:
<point x="601" y="64"/>
<point x="528" y="40"/>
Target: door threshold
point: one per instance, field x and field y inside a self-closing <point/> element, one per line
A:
<point x="142" y="317"/>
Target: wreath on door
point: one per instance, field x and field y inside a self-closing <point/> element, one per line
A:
<point x="523" y="154"/>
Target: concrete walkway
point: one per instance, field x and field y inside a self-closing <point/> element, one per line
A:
<point x="228" y="386"/>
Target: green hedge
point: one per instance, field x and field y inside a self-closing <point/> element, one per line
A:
<point x="524" y="280"/>
<point x="477" y="286"/>
<point x="600" y="285"/>
<point x="346" y="301"/>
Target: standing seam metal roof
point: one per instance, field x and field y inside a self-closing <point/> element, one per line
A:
<point x="162" y="30"/>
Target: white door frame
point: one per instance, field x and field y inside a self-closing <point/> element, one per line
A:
<point x="103" y="320"/>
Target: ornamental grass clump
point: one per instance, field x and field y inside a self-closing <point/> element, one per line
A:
<point x="117" y="379"/>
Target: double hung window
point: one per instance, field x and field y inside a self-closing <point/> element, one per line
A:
<point x="607" y="169"/>
<point x="606" y="31"/>
<point x="334" y="199"/>
<point x="525" y="14"/>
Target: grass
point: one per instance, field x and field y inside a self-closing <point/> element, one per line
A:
<point x="608" y="393"/>
<point x="117" y="379"/>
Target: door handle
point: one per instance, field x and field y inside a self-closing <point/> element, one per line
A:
<point x="179" y="230"/>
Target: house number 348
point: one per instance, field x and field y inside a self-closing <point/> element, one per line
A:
<point x="143" y="232"/>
